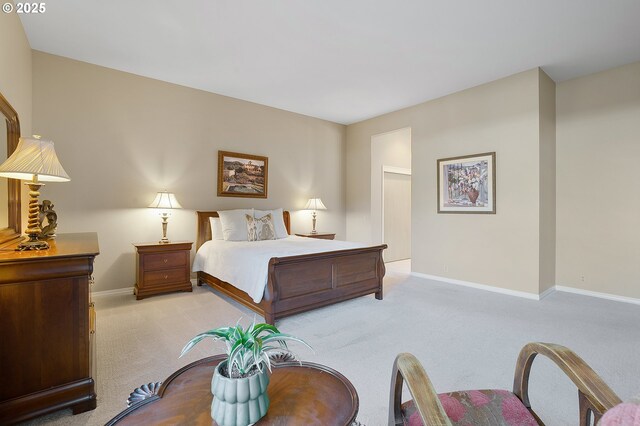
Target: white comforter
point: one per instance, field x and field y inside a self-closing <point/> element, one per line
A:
<point x="245" y="264"/>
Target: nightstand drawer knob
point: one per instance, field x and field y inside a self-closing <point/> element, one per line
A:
<point x="166" y="276"/>
<point x="166" y="260"/>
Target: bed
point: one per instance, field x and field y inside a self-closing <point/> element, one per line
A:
<point x="301" y="283"/>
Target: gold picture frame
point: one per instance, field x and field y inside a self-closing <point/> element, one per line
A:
<point x="242" y="175"/>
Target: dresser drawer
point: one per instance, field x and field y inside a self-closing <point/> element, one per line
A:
<point x="166" y="276"/>
<point x="168" y="260"/>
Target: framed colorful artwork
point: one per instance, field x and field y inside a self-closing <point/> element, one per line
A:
<point x="467" y="184"/>
<point x="242" y="175"/>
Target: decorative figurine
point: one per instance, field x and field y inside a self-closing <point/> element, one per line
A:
<point x="46" y="211"/>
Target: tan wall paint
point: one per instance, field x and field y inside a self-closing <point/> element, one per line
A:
<point x="15" y="68"/>
<point x="15" y="77"/>
<point x="598" y="154"/>
<point x="388" y="149"/>
<point x="122" y="137"/>
<point x="501" y="250"/>
<point x="547" y="94"/>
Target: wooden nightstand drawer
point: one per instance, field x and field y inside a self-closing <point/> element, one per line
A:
<point x="168" y="260"/>
<point x="167" y="276"/>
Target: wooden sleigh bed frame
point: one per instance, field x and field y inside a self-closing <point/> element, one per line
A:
<point x="301" y="283"/>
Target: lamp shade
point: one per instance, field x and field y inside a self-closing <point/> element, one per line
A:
<point x="165" y="200"/>
<point x="315" y="204"/>
<point x="34" y="157"/>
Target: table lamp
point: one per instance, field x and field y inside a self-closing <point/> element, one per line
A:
<point x="164" y="201"/>
<point x="314" y="204"/>
<point x="34" y="161"/>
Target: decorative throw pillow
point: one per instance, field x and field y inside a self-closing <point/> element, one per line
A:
<point x="278" y="221"/>
<point x="259" y="229"/>
<point x="624" y="414"/>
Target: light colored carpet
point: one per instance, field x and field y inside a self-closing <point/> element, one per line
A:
<point x="465" y="338"/>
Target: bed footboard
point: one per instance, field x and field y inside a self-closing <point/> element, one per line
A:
<point x="301" y="283"/>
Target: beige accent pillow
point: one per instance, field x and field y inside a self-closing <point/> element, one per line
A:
<point x="260" y="229"/>
<point x="278" y="221"/>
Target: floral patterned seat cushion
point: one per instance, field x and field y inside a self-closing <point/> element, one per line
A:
<point x="477" y="407"/>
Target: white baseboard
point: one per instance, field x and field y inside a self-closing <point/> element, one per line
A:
<point x="547" y="292"/>
<point x="126" y="290"/>
<point x="485" y="287"/>
<point x="526" y="295"/>
<point x="607" y="296"/>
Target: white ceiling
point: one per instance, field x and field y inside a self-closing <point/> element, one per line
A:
<point x="340" y="60"/>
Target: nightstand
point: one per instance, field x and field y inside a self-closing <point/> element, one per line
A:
<point x="162" y="268"/>
<point x="319" y="235"/>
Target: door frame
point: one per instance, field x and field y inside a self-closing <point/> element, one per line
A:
<point x="390" y="169"/>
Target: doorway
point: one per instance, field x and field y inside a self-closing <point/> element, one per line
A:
<point x="396" y="213"/>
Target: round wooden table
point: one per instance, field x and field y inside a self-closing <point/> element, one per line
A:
<point x="300" y="394"/>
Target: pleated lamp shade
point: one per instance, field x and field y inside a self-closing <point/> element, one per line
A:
<point x="165" y="200"/>
<point x="315" y="204"/>
<point x="34" y="157"/>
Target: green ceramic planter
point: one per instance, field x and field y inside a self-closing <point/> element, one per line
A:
<point x="239" y="402"/>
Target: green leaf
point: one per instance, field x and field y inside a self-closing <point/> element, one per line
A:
<point x="248" y="348"/>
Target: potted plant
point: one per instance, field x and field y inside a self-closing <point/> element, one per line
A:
<point x="239" y="383"/>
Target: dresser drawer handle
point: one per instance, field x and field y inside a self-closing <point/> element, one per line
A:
<point x="166" y="276"/>
<point x="166" y="260"/>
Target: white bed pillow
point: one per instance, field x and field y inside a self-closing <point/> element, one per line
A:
<point x="234" y="224"/>
<point x="278" y="221"/>
<point x="216" y="228"/>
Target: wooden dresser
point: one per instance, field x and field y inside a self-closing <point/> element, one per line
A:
<point x="162" y="268"/>
<point x="47" y="328"/>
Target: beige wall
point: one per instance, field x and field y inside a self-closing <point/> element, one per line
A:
<point x="547" y="103"/>
<point x="500" y="250"/>
<point x="123" y="137"/>
<point x="388" y="149"/>
<point x="15" y="68"/>
<point x="15" y="76"/>
<point x="598" y="154"/>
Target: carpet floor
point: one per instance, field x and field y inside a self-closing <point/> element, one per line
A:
<point x="465" y="338"/>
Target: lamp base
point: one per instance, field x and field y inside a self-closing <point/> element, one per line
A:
<point x="32" y="244"/>
<point x="313" y="231"/>
<point x="33" y="224"/>
<point x="165" y="219"/>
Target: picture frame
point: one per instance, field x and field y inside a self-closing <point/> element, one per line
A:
<point x="467" y="184"/>
<point x="242" y="175"/>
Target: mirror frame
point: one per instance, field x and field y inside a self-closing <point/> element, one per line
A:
<point x="14" y="230"/>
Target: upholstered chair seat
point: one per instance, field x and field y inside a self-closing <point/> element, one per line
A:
<point x="476" y="407"/>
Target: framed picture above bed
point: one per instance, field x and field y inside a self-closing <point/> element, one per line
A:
<point x="242" y="175"/>
<point x="467" y="184"/>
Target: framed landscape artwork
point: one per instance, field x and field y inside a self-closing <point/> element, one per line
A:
<point x="242" y="175"/>
<point x="467" y="184"/>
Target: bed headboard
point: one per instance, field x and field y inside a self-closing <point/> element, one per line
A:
<point x="204" y="227"/>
